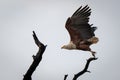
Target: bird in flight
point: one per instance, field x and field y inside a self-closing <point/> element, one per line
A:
<point x="81" y="32"/>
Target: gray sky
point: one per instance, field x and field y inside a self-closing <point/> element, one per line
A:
<point x="18" y="18"/>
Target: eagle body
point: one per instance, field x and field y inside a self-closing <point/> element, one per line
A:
<point x="81" y="32"/>
<point x="83" y="45"/>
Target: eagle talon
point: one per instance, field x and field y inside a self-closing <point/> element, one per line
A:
<point x="93" y="53"/>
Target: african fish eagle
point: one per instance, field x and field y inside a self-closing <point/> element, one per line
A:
<point x="80" y="31"/>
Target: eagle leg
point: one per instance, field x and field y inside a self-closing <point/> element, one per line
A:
<point x="93" y="53"/>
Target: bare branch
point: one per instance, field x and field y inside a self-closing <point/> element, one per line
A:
<point x="36" y="58"/>
<point x="85" y="69"/>
<point x="65" y="77"/>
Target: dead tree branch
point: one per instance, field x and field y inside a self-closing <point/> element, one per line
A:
<point x="65" y="77"/>
<point x="85" y="69"/>
<point x="36" y="58"/>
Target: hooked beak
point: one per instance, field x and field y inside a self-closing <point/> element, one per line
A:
<point x="62" y="47"/>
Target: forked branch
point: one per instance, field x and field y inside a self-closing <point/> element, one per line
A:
<point x="36" y="58"/>
<point x="85" y="69"/>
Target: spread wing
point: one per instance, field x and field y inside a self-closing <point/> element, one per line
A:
<point x="78" y="26"/>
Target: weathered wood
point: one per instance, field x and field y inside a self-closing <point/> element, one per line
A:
<point x="36" y="58"/>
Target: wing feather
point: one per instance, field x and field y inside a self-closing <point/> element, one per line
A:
<point x="78" y="26"/>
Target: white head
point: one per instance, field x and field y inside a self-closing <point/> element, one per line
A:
<point x="64" y="47"/>
<point x="70" y="46"/>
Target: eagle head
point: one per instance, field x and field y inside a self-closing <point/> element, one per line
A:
<point x="64" y="47"/>
<point x="70" y="46"/>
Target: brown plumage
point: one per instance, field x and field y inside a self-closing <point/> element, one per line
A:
<point x="81" y="32"/>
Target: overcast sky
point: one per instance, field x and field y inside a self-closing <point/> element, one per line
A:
<point x="18" y="18"/>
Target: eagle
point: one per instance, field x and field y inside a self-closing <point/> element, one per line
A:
<point x="81" y="33"/>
